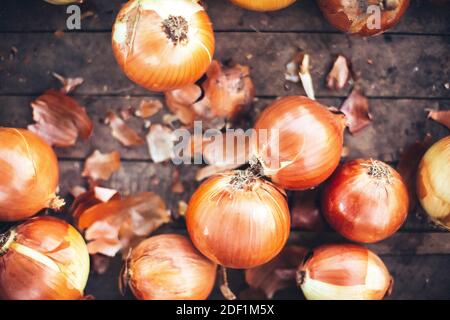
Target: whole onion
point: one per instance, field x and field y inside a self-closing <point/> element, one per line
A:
<point x="263" y="5"/>
<point x="433" y="182"/>
<point x="364" y="18"/>
<point x="365" y="201"/>
<point x="63" y="2"/>
<point x="168" y="267"/>
<point x="344" y="272"/>
<point x="299" y="142"/>
<point x="163" y="45"/>
<point x="238" y="220"/>
<point x="28" y="175"/>
<point x="43" y="259"/>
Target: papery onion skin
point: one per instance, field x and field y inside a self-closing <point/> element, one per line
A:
<point x="263" y="5"/>
<point x="352" y="17"/>
<point x="47" y="259"/>
<point x="344" y="272"/>
<point x="149" y="57"/>
<point x="363" y="204"/>
<point x="238" y="222"/>
<point x="433" y="182"/>
<point x="168" y="267"/>
<point x="311" y="139"/>
<point x="28" y="174"/>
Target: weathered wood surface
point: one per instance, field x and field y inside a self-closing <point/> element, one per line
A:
<point x="409" y="72"/>
<point x="304" y="16"/>
<point x="396" y="124"/>
<point x="402" y="66"/>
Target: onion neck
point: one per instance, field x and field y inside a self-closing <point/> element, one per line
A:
<point x="6" y="239"/>
<point x="246" y="179"/>
<point x="56" y="203"/>
<point x="379" y="171"/>
<point x="176" y="29"/>
<point x="243" y="180"/>
<point x="256" y="167"/>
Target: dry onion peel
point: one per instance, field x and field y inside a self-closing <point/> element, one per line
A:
<point x="101" y="166"/>
<point x="115" y="224"/>
<point x="60" y="119"/>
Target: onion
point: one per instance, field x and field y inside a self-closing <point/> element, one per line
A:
<point x="63" y="2"/>
<point x="163" y="45"/>
<point x="344" y="272"/>
<point x="28" y="175"/>
<point x="433" y="182"/>
<point x="238" y="220"/>
<point x="302" y="142"/>
<point x="365" y="201"/>
<point x="263" y="5"/>
<point x="43" y="259"/>
<point x="356" y="17"/>
<point x="168" y="267"/>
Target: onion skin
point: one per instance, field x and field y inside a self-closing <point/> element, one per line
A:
<point x="311" y="139"/>
<point x="344" y="272"/>
<point x="168" y="267"/>
<point x="238" y="227"/>
<point x="363" y="207"/>
<point x="147" y="54"/>
<point x="46" y="260"/>
<point x="28" y="174"/>
<point x="433" y="182"/>
<point x="352" y="17"/>
<point x="263" y="5"/>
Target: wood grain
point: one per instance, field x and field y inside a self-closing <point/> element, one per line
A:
<point x="401" y="67"/>
<point x="396" y="124"/>
<point x="304" y="16"/>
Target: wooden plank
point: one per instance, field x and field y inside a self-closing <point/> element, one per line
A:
<point x="403" y="66"/>
<point x="304" y="16"/>
<point x="396" y="123"/>
<point x="416" y="277"/>
<point x="401" y="243"/>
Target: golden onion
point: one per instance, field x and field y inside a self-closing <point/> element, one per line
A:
<point x="433" y="182"/>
